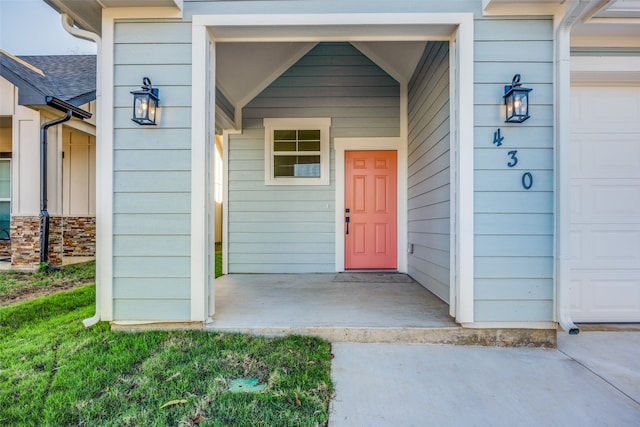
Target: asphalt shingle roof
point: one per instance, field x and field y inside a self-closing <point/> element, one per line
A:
<point x="71" y="78"/>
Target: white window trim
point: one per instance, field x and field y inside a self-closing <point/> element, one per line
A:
<point x="270" y="125"/>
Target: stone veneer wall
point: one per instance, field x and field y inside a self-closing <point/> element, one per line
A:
<point x="5" y="248"/>
<point x="79" y="236"/>
<point x="25" y="241"/>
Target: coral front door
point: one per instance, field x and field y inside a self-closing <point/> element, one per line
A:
<point x="370" y="209"/>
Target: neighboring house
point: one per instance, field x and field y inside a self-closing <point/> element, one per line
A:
<point x="327" y="109"/>
<point x="25" y="82"/>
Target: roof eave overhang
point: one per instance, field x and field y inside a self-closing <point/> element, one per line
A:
<point x="87" y="14"/>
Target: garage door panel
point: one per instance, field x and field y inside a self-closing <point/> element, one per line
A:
<point x="605" y="204"/>
<point x="599" y="155"/>
<point x="593" y="201"/>
<point x="605" y="297"/>
<point x="607" y="108"/>
<point x="605" y="247"/>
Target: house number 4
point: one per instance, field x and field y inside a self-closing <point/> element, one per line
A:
<point x="527" y="178"/>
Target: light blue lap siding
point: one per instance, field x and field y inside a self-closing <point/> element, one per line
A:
<point x="513" y="226"/>
<point x="290" y="229"/>
<point x="152" y="174"/>
<point x="428" y="191"/>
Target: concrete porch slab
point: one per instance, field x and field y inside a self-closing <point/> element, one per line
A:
<point x="398" y="311"/>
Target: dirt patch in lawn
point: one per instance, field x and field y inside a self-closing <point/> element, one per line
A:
<point x="30" y="292"/>
<point x="18" y="286"/>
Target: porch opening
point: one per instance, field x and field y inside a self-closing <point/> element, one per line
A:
<point x="283" y="229"/>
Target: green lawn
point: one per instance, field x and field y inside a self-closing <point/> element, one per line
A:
<point x="54" y="372"/>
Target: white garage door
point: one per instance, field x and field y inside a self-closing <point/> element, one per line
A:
<point x="605" y="204"/>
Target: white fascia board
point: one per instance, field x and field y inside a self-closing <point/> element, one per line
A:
<point x="520" y="8"/>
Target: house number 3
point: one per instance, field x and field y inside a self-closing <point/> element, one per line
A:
<point x="527" y="178"/>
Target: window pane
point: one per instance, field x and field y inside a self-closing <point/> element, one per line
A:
<point x="284" y="135"/>
<point x="298" y="166"/>
<point x="283" y="165"/>
<point x="5" y="177"/>
<point x="309" y="135"/>
<point x="309" y="146"/>
<point x="5" y="219"/>
<point x="284" y="146"/>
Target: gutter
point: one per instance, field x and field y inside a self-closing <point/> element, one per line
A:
<point x="67" y="24"/>
<point x="573" y="13"/>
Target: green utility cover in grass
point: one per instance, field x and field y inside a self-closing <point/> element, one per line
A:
<point x="247" y="385"/>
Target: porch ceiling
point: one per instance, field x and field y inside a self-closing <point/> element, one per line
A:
<point x="244" y="69"/>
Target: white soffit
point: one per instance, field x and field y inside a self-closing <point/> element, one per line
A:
<point x="243" y="70"/>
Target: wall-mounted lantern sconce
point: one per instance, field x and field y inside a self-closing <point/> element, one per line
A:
<point x="145" y="103"/>
<point x="516" y="101"/>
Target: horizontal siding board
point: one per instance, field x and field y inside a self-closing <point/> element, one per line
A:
<point x="522" y="51"/>
<point x="152" y="160"/>
<point x="525" y="202"/>
<point x="152" y="246"/>
<point x="276" y="228"/>
<point x="513" y="311"/>
<point x="152" y="182"/>
<point x="485" y="115"/>
<point x="265" y="216"/>
<point x="282" y="248"/>
<point x="168" y="117"/>
<point x="317" y="102"/>
<point x="322" y="92"/>
<point x="513" y="246"/>
<point x="150" y="267"/>
<point x="434" y="271"/>
<point x="152" y="53"/>
<point x="157" y="287"/>
<point x="163" y="75"/>
<point x="501" y="73"/>
<point x="345" y="113"/>
<point x="514" y="138"/>
<point x="152" y="309"/>
<point x="170" y="96"/>
<point x="279" y="267"/>
<point x="438" y="288"/>
<point x="511" y="180"/>
<point x="282" y="208"/>
<point x="513" y="289"/>
<point x="512" y="29"/>
<point x="283" y="199"/>
<point x="440" y="242"/>
<point x="282" y="258"/>
<point x="267" y="236"/>
<point x="151" y="224"/>
<point x="152" y="139"/>
<point x="492" y="93"/>
<point x="437" y="210"/>
<point x="152" y="203"/>
<point x="152" y="32"/>
<point x="513" y="224"/>
<point x="504" y="267"/>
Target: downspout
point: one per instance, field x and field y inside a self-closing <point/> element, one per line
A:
<point x="44" y="214"/>
<point x="574" y="10"/>
<point x="67" y="24"/>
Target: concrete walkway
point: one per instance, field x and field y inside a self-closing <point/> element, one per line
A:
<point x="592" y="379"/>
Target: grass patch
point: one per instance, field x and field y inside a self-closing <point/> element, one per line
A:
<point x="20" y="285"/>
<point x="55" y="372"/>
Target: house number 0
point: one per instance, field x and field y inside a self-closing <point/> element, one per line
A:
<point x="527" y="177"/>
